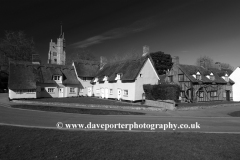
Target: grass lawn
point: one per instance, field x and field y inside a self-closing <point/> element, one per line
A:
<point x="76" y="110"/>
<point x="206" y="103"/>
<point x="29" y="143"/>
<point x="87" y="100"/>
<point x="235" y="114"/>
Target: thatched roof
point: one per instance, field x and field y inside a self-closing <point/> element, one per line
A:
<point x="21" y="77"/>
<point x="129" y="69"/>
<point x="86" y="68"/>
<point x="26" y="76"/>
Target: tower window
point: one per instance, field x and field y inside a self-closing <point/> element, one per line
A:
<point x="55" y="60"/>
<point x="54" y="54"/>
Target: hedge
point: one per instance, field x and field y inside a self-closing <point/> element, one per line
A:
<point x="162" y="92"/>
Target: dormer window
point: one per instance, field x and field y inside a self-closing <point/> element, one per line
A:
<point x="95" y="80"/>
<point x="56" y="78"/>
<point x="118" y="77"/>
<point x="105" y="78"/>
<point x="212" y="77"/>
<point x="198" y="76"/>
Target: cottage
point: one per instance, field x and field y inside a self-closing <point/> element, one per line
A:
<point x="27" y="80"/>
<point x="86" y="70"/>
<point x="235" y="76"/>
<point x="124" y="80"/>
<point x="199" y="84"/>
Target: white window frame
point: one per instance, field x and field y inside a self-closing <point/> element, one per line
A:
<point x="72" y="90"/>
<point x="81" y="90"/>
<point x="125" y="92"/>
<point x="111" y="91"/>
<point x="51" y="90"/>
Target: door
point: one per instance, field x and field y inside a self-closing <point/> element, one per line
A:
<point x="119" y="94"/>
<point x="89" y="91"/>
<point x="102" y="92"/>
<point x="60" y="92"/>
<point x="228" y="95"/>
<point x="106" y="93"/>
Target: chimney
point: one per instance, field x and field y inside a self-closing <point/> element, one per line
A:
<point x="36" y="59"/>
<point x="175" y="60"/>
<point x="218" y="65"/>
<point x="145" y="50"/>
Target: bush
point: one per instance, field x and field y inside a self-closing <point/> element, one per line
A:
<point x="162" y="92"/>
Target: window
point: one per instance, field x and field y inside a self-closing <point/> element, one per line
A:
<point x="226" y="78"/>
<point x="54" y="53"/>
<point x="212" y="77"/>
<point x="56" y="78"/>
<point x="84" y="78"/>
<point x="180" y="77"/>
<point x="50" y="90"/>
<point x="19" y="91"/>
<point x="72" y="90"/>
<point x="111" y="91"/>
<point x="31" y="90"/>
<point x="198" y="77"/>
<point x="55" y="60"/>
<point x="140" y="75"/>
<point x="213" y="93"/>
<point x="182" y="93"/>
<point x="42" y="89"/>
<point x="125" y="93"/>
<point x="170" y="78"/>
<point x="81" y="90"/>
<point x="200" y="94"/>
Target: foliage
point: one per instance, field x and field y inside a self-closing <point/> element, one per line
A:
<point x="162" y="91"/>
<point x="81" y="54"/>
<point x="131" y="55"/>
<point x="16" y="46"/>
<point x="208" y="62"/>
<point x="162" y="62"/>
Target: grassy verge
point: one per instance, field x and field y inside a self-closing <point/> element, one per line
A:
<point x="235" y="114"/>
<point x="28" y="143"/>
<point x="206" y="103"/>
<point x="76" y="110"/>
<point x="87" y="100"/>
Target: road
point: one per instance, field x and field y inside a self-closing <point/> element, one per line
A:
<point x="41" y="119"/>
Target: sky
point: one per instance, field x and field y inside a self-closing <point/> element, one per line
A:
<point x="185" y="28"/>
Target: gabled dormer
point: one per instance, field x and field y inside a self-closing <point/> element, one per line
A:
<point x="197" y="76"/>
<point x="105" y="78"/>
<point x="226" y="77"/>
<point x="95" y="80"/>
<point x="211" y="76"/>
<point x="118" y="76"/>
<point x="57" y="78"/>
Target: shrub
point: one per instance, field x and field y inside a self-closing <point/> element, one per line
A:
<point x="162" y="92"/>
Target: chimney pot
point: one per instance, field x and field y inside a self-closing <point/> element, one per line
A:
<point x="175" y="60"/>
<point x="145" y="50"/>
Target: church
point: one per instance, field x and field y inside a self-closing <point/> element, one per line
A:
<point x="57" y="54"/>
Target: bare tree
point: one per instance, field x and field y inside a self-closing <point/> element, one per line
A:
<point x="208" y="62"/>
<point x="205" y="62"/>
<point x="131" y="55"/>
<point x="16" y="46"/>
<point x="81" y="54"/>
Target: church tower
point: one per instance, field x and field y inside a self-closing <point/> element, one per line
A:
<point x="57" y="54"/>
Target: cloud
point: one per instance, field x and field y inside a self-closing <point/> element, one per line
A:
<point x="135" y="27"/>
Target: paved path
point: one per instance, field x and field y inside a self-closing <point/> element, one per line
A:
<point x="49" y="119"/>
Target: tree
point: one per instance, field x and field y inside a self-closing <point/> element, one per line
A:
<point x="16" y="46"/>
<point x="81" y="54"/>
<point x="162" y="62"/>
<point x="205" y="62"/>
<point x="208" y="62"/>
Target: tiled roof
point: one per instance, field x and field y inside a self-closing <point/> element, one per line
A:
<point x="189" y="70"/>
